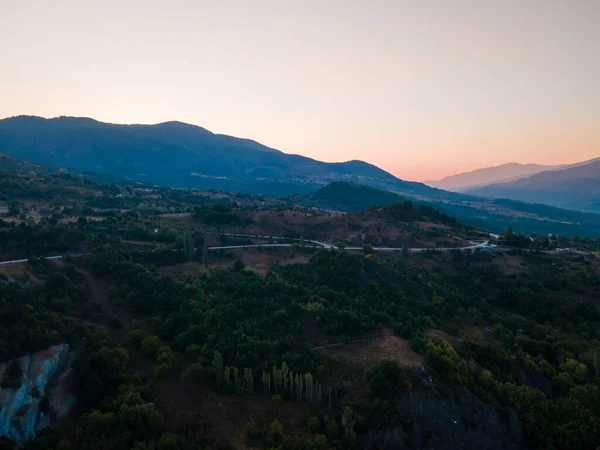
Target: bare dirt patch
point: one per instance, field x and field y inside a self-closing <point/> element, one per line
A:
<point x="470" y="332"/>
<point x="368" y="353"/>
<point x="20" y="270"/>
<point x="259" y="261"/>
<point x="262" y="261"/>
<point x="439" y="336"/>
<point x="190" y="268"/>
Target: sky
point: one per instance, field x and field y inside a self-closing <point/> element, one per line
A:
<point x="423" y="88"/>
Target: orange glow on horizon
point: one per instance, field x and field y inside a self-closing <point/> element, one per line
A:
<point x="421" y="89"/>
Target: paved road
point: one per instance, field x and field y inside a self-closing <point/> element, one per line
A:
<point x="317" y="243"/>
<point x="325" y="245"/>
<point x="16" y="261"/>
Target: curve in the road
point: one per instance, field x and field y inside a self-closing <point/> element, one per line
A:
<point x="325" y="245"/>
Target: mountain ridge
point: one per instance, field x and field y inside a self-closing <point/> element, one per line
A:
<point x="574" y="187"/>
<point x="180" y="155"/>
<point x="487" y="175"/>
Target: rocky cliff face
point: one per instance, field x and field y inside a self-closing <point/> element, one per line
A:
<point x="458" y="421"/>
<point x="34" y="393"/>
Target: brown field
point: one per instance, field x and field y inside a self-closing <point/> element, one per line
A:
<point x="256" y="260"/>
<point x="367" y="353"/>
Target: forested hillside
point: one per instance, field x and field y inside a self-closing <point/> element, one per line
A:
<point x="177" y="344"/>
<point x="493" y="215"/>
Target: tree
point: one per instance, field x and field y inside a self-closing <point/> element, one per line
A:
<point x="169" y="441"/>
<point x="150" y="346"/>
<point x="239" y="265"/>
<point x="562" y="383"/>
<point x="275" y="434"/>
<point x="348" y="422"/>
<point x="13" y="209"/>
<point x="248" y="379"/>
<point x="405" y="251"/>
<point x="193" y="373"/>
<point x="63" y="445"/>
<point x="217" y="364"/>
<point x="332" y="430"/>
<point x="139" y="417"/>
<point x="99" y="423"/>
<point x="314" y="424"/>
<point x="205" y="256"/>
<point x="136" y="337"/>
<point x="189" y="249"/>
<point x="192" y="352"/>
<point x="250" y="431"/>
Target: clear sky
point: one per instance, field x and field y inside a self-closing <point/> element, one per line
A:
<point x="422" y="88"/>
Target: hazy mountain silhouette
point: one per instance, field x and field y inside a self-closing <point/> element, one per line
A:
<point x="575" y="187"/>
<point x="488" y="175"/>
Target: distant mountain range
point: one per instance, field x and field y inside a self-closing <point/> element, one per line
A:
<point x="488" y="175"/>
<point x="575" y="187"/>
<point x="179" y="155"/>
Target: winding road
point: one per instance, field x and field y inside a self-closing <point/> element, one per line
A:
<point x="306" y="241"/>
<point x="329" y="246"/>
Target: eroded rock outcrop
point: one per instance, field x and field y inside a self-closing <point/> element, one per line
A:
<point x="457" y="421"/>
<point x="35" y="393"/>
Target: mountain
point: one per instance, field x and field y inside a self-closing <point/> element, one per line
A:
<point x="488" y="175"/>
<point x="576" y="187"/>
<point x="351" y="197"/>
<point x="180" y="155"/>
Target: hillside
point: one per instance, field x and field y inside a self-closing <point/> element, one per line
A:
<point x="490" y="215"/>
<point x="342" y="196"/>
<point x="488" y="175"/>
<point x="179" y="155"/>
<point x="147" y="342"/>
<point x="575" y="187"/>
